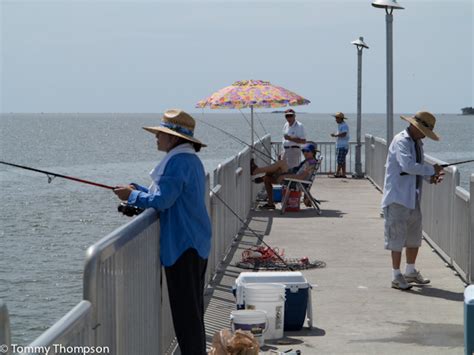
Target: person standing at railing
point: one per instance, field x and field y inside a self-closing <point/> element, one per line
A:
<point x="178" y="193"/>
<point x="293" y="136"/>
<point x="342" y="144"/>
<point x="405" y="170"/>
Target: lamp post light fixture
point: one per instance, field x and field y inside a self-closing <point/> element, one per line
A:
<point x="360" y="44"/>
<point x="389" y="6"/>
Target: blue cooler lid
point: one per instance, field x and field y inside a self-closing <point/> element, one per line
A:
<point x="469" y="295"/>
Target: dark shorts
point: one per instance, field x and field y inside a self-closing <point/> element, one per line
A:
<point x="341" y="155"/>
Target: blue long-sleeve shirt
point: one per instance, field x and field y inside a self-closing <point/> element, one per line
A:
<point x="184" y="221"/>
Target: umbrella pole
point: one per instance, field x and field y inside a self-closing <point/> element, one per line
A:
<point x="251" y="123"/>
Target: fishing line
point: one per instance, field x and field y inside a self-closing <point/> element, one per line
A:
<point x="255" y="131"/>
<point x="236" y="139"/>
<point x="251" y="230"/>
<point x="274" y="150"/>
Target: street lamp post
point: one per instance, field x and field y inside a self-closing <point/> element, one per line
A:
<point x="389" y="6"/>
<point x="360" y="44"/>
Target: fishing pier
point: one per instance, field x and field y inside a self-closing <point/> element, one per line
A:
<point x="354" y="309"/>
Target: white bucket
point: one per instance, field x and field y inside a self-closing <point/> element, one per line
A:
<point x="254" y="321"/>
<point x="268" y="297"/>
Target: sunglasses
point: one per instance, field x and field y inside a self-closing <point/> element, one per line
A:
<point x="306" y="150"/>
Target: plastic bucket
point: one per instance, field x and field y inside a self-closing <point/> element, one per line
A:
<point x="277" y="192"/>
<point x="268" y="297"/>
<point x="253" y="321"/>
<point x="293" y="202"/>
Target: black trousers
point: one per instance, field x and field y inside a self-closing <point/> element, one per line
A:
<point x="185" y="279"/>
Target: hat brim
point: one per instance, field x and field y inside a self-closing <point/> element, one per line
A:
<point x="344" y="118"/>
<point x="425" y="130"/>
<point x="157" y="129"/>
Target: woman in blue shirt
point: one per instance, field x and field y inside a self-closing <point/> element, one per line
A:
<point x="178" y="193"/>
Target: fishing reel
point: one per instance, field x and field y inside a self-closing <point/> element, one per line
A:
<point x="129" y="210"/>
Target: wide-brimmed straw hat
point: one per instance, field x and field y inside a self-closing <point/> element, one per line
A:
<point x="339" y="115"/>
<point x="177" y="123"/>
<point x="424" y="122"/>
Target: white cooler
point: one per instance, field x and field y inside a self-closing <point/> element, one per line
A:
<point x="298" y="305"/>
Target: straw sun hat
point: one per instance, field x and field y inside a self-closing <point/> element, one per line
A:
<point x="177" y="123"/>
<point x="340" y="115"/>
<point x="424" y="122"/>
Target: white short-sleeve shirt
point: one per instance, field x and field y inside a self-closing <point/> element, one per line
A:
<point x="295" y="130"/>
<point x="342" y="142"/>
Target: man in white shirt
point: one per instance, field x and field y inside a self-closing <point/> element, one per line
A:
<point x="293" y="137"/>
<point x="342" y="144"/>
<point x="405" y="171"/>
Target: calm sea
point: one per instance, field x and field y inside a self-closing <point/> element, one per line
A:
<point x="46" y="228"/>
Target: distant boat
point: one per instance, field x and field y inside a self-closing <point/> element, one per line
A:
<point x="467" y="111"/>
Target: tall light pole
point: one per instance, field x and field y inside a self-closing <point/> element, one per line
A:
<point x="360" y="44"/>
<point x="389" y="6"/>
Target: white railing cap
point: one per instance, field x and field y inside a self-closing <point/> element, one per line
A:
<point x="469" y="295"/>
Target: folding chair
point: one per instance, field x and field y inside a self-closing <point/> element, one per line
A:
<point x="304" y="186"/>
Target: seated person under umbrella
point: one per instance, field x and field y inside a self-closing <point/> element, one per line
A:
<point x="276" y="173"/>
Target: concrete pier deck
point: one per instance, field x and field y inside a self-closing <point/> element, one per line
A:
<point x="355" y="310"/>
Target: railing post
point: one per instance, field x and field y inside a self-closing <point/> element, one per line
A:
<point x="471" y="229"/>
<point x="5" y="336"/>
<point x="452" y="221"/>
<point x="367" y="155"/>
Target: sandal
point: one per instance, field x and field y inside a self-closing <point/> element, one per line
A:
<point x="267" y="206"/>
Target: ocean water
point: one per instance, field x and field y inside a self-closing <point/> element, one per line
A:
<point x="46" y="228"/>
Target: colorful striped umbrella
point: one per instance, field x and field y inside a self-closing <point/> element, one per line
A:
<point x="252" y="93"/>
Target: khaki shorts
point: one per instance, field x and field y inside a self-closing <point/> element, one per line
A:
<point x="402" y="227"/>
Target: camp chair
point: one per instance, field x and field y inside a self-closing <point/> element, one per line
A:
<point x="304" y="186"/>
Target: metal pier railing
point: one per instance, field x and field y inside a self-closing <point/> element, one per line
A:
<point x="328" y="152"/>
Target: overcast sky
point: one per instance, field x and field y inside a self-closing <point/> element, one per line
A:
<point x="146" y="56"/>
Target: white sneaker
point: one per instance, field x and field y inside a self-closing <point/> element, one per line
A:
<point x="400" y="283"/>
<point x="417" y="278"/>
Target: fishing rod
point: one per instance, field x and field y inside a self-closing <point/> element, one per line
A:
<point x="236" y="139"/>
<point x="251" y="230"/>
<point x="446" y="165"/>
<point x="52" y="175"/>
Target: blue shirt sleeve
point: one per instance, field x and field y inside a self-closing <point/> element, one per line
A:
<point x="408" y="162"/>
<point x="169" y="189"/>
<point x="139" y="187"/>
